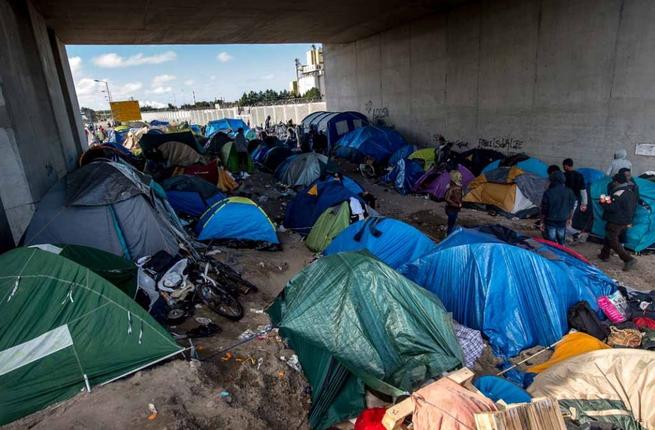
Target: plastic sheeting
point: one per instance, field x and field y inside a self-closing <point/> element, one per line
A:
<point x="236" y="218"/>
<point x="572" y="344"/>
<point x="225" y="125"/>
<point x="401" y="154"/>
<point x="308" y="205"/>
<point x="500" y="289"/>
<point x="371" y="141"/>
<point x="351" y="312"/>
<point x="404" y="175"/>
<point x="531" y="165"/>
<point x="642" y="233"/>
<point x="392" y="241"/>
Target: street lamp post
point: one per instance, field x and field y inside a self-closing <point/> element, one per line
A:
<point x="106" y="86"/>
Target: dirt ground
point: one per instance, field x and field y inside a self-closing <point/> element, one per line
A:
<point x="250" y="386"/>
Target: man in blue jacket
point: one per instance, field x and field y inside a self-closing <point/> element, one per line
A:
<point x="557" y="208"/>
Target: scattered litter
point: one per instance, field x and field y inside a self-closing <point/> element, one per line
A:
<point x="264" y="328"/>
<point x="225" y="395"/>
<point x="260" y="361"/>
<point x="204" y="321"/>
<point x="281" y="374"/>
<point x="248" y="334"/>
<point x="262" y="264"/>
<point x="153" y="411"/>
<point x="228" y="356"/>
<point x="292" y="362"/>
<point x="214" y="251"/>
<point x="281" y="229"/>
<point x="257" y="311"/>
<point x="262" y="199"/>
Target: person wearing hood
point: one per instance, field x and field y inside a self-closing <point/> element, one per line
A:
<point x="620" y="162"/>
<point x="618" y="214"/>
<point x="453" y="198"/>
<point x="557" y="207"/>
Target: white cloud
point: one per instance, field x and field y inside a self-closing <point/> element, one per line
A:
<point x="160" y="80"/>
<point x="86" y="86"/>
<point x="224" y="57"/>
<point x="212" y="78"/>
<point x="189" y="82"/>
<point x="128" y="88"/>
<point x="76" y="64"/>
<point x="268" y="77"/>
<point x="113" y="60"/>
<point x="160" y="90"/>
<point x="152" y="103"/>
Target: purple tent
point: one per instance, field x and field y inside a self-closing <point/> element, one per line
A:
<point x="435" y="182"/>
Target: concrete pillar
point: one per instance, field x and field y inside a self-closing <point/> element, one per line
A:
<point x="40" y="132"/>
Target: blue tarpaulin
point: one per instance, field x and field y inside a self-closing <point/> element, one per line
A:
<point x="378" y="143"/>
<point x="191" y="202"/>
<point x="309" y="204"/>
<point x="404" y="175"/>
<point x="401" y="153"/>
<point x="590" y="175"/>
<point x="391" y="241"/>
<point x="531" y="165"/>
<point x="226" y="125"/>
<point x="517" y="297"/>
<point x="642" y="233"/>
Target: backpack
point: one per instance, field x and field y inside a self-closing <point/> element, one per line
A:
<point x="582" y="318"/>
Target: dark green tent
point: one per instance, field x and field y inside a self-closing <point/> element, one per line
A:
<point x="63" y="329"/>
<point x="117" y="270"/>
<point x="354" y="321"/>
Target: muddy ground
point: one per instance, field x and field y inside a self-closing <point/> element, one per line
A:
<point x="250" y="386"/>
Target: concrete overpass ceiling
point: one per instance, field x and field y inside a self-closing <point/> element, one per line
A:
<point x="222" y="21"/>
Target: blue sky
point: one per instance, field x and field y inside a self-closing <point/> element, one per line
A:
<point x="161" y="74"/>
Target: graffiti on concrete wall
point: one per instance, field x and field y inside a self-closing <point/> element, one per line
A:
<point x="438" y="139"/>
<point x="501" y="143"/>
<point x="376" y="113"/>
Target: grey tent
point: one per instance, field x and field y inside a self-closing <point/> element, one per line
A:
<point x="302" y="169"/>
<point x="109" y="206"/>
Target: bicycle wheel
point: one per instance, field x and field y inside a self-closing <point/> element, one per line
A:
<point x="221" y="302"/>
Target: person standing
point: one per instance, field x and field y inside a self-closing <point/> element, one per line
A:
<point x="267" y="123"/>
<point x="556" y="209"/>
<point x="242" y="150"/>
<point x="620" y="161"/>
<point x="618" y="214"/>
<point x="453" y="198"/>
<point x="576" y="183"/>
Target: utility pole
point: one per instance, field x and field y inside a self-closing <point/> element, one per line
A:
<point x="106" y="86"/>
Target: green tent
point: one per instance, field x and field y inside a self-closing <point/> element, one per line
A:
<point x="230" y="158"/>
<point x="354" y="321"/>
<point x="331" y="222"/>
<point x="63" y="329"/>
<point x="117" y="270"/>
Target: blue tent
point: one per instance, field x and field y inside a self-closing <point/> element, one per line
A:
<point x="401" y="154"/>
<point x="191" y="195"/>
<point x="517" y="297"/>
<point x="590" y="175"/>
<point x="391" y="241"/>
<point x="531" y="165"/>
<point x="378" y="143"/>
<point x="196" y="129"/>
<point x="236" y="218"/>
<point x="642" y="233"/>
<point x="159" y="123"/>
<point x="333" y="124"/>
<point x="404" y="175"/>
<point x="309" y="204"/>
<point x="226" y="125"/>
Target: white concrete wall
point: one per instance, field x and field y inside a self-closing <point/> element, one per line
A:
<point x="553" y="78"/>
<point x="255" y="115"/>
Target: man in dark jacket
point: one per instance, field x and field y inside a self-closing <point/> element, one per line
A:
<point x="618" y="214"/>
<point x="556" y="208"/>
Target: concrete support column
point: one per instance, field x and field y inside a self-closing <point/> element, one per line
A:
<point x="40" y="134"/>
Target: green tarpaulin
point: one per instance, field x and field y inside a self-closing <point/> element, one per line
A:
<point x="328" y="226"/>
<point x="354" y="321"/>
<point x="63" y="328"/>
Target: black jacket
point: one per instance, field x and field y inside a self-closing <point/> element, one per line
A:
<point x="623" y="206"/>
<point x="558" y="201"/>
